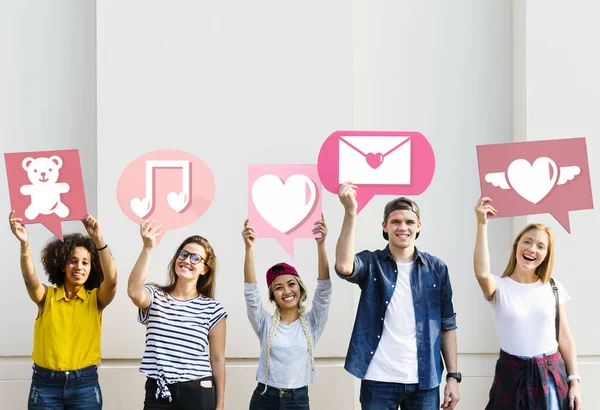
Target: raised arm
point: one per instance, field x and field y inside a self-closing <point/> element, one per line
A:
<point x="139" y="295"/>
<point x="249" y="237"/>
<point x="35" y="288"/>
<point x="344" y="251"/>
<point x="108" y="288"/>
<point x="481" y="256"/>
<point x="321" y="227"/>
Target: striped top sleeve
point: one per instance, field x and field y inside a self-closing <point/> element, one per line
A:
<point x="177" y="336"/>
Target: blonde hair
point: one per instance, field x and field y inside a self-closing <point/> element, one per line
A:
<point x="303" y="322"/>
<point x="544" y="270"/>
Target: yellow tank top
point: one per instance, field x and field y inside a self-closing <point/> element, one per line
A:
<point x="66" y="335"/>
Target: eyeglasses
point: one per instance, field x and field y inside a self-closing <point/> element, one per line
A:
<point x="194" y="257"/>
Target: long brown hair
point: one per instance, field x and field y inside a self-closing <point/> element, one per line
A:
<point x="544" y="270"/>
<point x="206" y="283"/>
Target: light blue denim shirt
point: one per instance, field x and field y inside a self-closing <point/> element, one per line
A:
<point x="376" y="273"/>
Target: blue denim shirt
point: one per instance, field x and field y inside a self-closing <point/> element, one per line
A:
<point x="376" y="274"/>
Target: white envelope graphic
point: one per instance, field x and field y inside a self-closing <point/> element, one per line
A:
<point x="375" y="160"/>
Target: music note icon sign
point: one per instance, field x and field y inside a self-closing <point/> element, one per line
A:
<point x="178" y="201"/>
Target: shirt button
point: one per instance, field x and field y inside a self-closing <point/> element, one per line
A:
<point x="378" y="336"/>
<point x="386" y="302"/>
<point x="375" y="279"/>
<point x="393" y="286"/>
<point x="382" y="319"/>
<point x="434" y="285"/>
<point x="371" y="352"/>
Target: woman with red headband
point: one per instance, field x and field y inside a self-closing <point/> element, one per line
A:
<point x="288" y="336"/>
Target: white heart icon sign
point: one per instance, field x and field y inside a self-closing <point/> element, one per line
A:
<point x="283" y="205"/>
<point x="532" y="181"/>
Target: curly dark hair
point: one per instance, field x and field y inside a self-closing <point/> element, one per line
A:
<point x="56" y="253"/>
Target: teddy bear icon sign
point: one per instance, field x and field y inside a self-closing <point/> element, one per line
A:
<point x="44" y="189"/>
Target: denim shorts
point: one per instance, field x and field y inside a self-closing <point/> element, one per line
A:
<point x="73" y="389"/>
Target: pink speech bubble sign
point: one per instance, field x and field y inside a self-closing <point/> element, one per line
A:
<point x="172" y="187"/>
<point x="378" y="162"/>
<point x="536" y="177"/>
<point x="46" y="187"/>
<point x="284" y="201"/>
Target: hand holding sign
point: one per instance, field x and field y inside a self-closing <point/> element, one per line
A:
<point x="17" y="228"/>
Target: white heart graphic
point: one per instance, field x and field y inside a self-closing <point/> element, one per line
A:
<point x="140" y="207"/>
<point x="532" y="181"/>
<point x="177" y="200"/>
<point x="283" y="205"/>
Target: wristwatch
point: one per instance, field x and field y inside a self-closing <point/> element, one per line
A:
<point x="455" y="375"/>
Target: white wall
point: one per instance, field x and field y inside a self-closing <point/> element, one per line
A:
<point x="243" y="83"/>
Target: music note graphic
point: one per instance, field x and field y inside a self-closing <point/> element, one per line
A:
<point x="178" y="201"/>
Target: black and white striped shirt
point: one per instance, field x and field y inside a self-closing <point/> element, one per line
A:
<point x="177" y="337"/>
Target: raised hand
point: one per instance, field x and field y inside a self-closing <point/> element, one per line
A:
<point x="347" y="195"/>
<point x="248" y="234"/>
<point x="93" y="228"/>
<point x="320" y="227"/>
<point x="149" y="233"/>
<point x="17" y="228"/>
<point x="482" y="209"/>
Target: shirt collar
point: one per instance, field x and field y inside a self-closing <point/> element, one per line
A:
<point x="418" y="255"/>
<point x="60" y="293"/>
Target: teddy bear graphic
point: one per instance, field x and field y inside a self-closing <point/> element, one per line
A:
<point x="44" y="190"/>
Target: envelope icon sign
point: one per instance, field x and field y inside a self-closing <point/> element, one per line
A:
<point x="375" y="160"/>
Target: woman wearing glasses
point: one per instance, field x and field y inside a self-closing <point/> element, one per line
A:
<point x="182" y="320"/>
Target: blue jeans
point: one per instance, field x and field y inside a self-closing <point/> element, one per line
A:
<point x="279" y="399"/>
<point x="388" y="396"/>
<point x="68" y="390"/>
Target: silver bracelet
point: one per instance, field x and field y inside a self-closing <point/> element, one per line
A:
<point x="574" y="377"/>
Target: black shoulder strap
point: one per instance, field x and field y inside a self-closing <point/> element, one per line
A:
<point x="557" y="319"/>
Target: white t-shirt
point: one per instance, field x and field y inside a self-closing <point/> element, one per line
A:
<point x="524" y="315"/>
<point x="395" y="359"/>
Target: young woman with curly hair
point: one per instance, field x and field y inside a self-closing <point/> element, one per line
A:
<point x="184" y="358"/>
<point x="66" y="337"/>
<point x="287" y="337"/>
<point x="537" y="368"/>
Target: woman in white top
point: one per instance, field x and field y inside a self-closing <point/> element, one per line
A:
<point x="532" y="370"/>
<point x="182" y="321"/>
<point x="287" y="337"/>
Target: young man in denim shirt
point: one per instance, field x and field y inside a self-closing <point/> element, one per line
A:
<point x="405" y="321"/>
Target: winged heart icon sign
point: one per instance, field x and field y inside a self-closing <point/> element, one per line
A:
<point x="536" y="177"/>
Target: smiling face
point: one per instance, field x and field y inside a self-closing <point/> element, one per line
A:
<point x="402" y="227"/>
<point x="191" y="262"/>
<point x="532" y="249"/>
<point x="286" y="291"/>
<point x="78" y="266"/>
